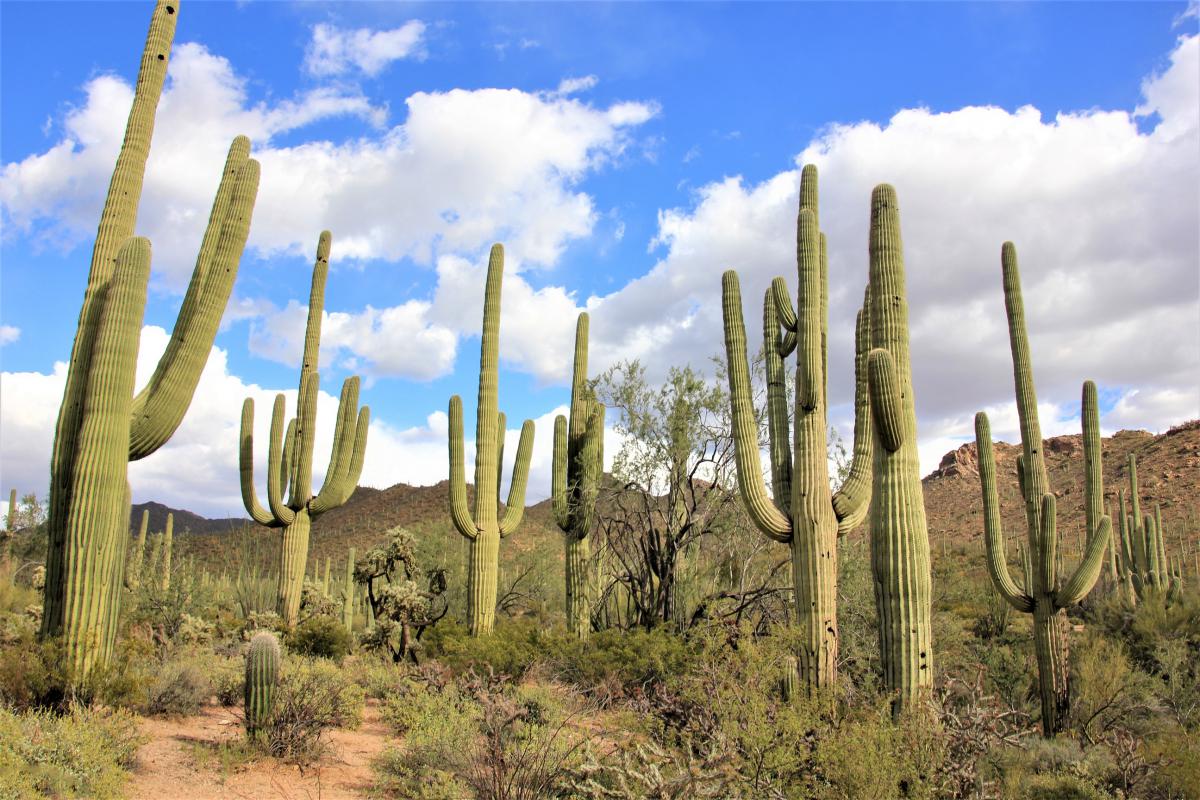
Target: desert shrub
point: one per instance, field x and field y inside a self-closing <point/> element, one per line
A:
<point x="313" y="696"/>
<point x="866" y="755"/>
<point x="637" y="769"/>
<point x="35" y="674"/>
<point x="1107" y="691"/>
<point x="81" y="754"/>
<point x="378" y="678"/>
<point x="437" y="726"/>
<point x="632" y="661"/>
<point x="511" y="649"/>
<point x="320" y="636"/>
<point x="180" y="688"/>
<point x="227" y="676"/>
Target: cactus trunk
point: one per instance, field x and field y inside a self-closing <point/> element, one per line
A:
<point x="291" y="567"/>
<point x="262" y="675"/>
<point x="348" y="594"/>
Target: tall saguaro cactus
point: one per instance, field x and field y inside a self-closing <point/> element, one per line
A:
<point x="803" y="513"/>
<point x="168" y="548"/>
<point x="485" y="528"/>
<point x="1044" y="595"/>
<point x="1144" y="562"/>
<point x="101" y="424"/>
<point x="899" y="535"/>
<point x="289" y="456"/>
<point x="577" y="466"/>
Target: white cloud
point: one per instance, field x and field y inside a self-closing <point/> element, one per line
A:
<point x="439" y="183"/>
<point x="9" y="334"/>
<point x="576" y="85"/>
<point x="335" y="51"/>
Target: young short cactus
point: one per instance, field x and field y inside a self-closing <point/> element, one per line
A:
<point x="348" y="594"/>
<point x="899" y="536"/>
<point x="577" y="466"/>
<point x="168" y="547"/>
<point x="289" y="457"/>
<point x="262" y="676"/>
<point x="1044" y="595"/>
<point x="485" y="529"/>
<point x="803" y="513"/>
<point x="101" y="424"/>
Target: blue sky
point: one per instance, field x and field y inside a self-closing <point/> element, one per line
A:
<point x="626" y="153"/>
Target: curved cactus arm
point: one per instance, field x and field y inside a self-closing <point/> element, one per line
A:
<point x="459" y="510"/>
<point x="851" y="503"/>
<point x="810" y="384"/>
<point x="246" y="467"/>
<point x="778" y="428"/>
<point x="514" y="509"/>
<point x="769" y="519"/>
<point x="783" y="307"/>
<point x="306" y="431"/>
<point x="558" y="474"/>
<point x="887" y="405"/>
<point x="275" y="474"/>
<point x="354" y="472"/>
<point x="159" y="408"/>
<point x="345" y="440"/>
<point x="993" y="532"/>
<point x="1085" y="575"/>
<point x="1045" y="575"/>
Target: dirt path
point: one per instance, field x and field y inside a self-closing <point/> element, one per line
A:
<point x="182" y="760"/>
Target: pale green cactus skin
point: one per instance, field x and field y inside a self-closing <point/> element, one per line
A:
<point x="1044" y="595"/>
<point x="485" y="528"/>
<point x="578" y="463"/>
<point x="262" y="677"/>
<point x="101" y="425"/>
<point x="1145" y="565"/>
<point x="289" y="457"/>
<point x="803" y="513"/>
<point x="899" y="534"/>
<point x="133" y="575"/>
<point x="168" y="547"/>
<point x="12" y="510"/>
<point x="348" y="594"/>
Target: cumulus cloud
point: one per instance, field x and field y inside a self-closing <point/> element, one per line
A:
<point x="336" y="51"/>
<point x="441" y="182"/>
<point x="9" y="334"/>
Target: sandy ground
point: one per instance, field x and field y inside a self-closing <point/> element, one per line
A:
<point x="174" y="762"/>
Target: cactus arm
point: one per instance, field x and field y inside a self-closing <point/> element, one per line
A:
<point x="246" y="467"/>
<point x="783" y="308"/>
<point x="354" y="472"/>
<point x="289" y="452"/>
<point x="1085" y="575"/>
<point x="824" y="264"/>
<point x="514" y="509"/>
<point x="501" y="431"/>
<point x="348" y="437"/>
<point x="779" y="433"/>
<point x="558" y="473"/>
<point x="769" y="519"/>
<point x="851" y="503"/>
<point x="592" y="457"/>
<point x="306" y="425"/>
<point x="887" y="403"/>
<point x="275" y="474"/>
<point x="1161" y="544"/>
<point x="1046" y="569"/>
<point x="809" y="387"/>
<point x="993" y="531"/>
<point x="159" y="408"/>
<point x="459" y="510"/>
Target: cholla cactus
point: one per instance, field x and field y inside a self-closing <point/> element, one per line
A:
<point x="1044" y="595"/>
<point x="399" y="608"/>
<point x="262" y="677"/>
<point x="101" y="424"/>
<point x="802" y="513"/>
<point x="577" y="466"/>
<point x="485" y="528"/>
<point x="289" y="457"/>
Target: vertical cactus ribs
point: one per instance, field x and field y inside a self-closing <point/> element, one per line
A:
<point x="262" y="676"/>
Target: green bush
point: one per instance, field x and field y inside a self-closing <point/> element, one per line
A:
<point x="313" y="696"/>
<point x="320" y="636"/>
<point x="438" y="727"/>
<point x="81" y="754"/>
<point x="180" y="688"/>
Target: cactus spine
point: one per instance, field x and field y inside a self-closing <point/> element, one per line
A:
<point x="289" y="457"/>
<point x="578" y="463"/>
<point x="101" y="425"/>
<point x="485" y="529"/>
<point x="803" y="513"/>
<point x="262" y="676"/>
<point x="899" y="536"/>
<point x="168" y="546"/>
<point x="1044" y="595"/>
<point x="348" y="594"/>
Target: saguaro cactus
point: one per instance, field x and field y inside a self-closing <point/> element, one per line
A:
<point x="348" y="594"/>
<point x="1044" y="595"/>
<point x="168" y="547"/>
<point x="262" y="676"/>
<point x="1144" y="561"/>
<point x="133" y="574"/>
<point x="485" y="528"/>
<point x="899" y="536"/>
<point x="289" y="457"/>
<point x="577" y="466"/>
<point x="803" y="513"/>
<point x="101" y="425"/>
